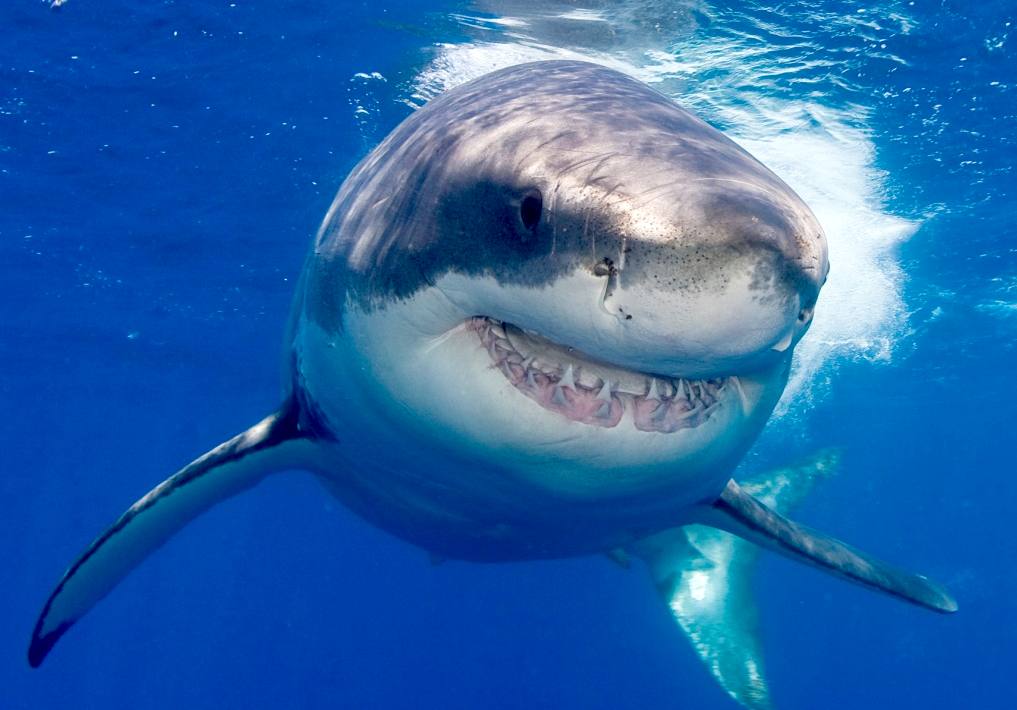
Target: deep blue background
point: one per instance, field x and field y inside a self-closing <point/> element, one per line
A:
<point x="162" y="168"/>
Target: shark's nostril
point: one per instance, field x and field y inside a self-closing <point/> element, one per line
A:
<point x="606" y="268"/>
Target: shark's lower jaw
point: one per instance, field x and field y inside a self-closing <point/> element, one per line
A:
<point x="563" y="380"/>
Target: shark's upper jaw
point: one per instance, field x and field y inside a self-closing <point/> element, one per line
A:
<point x="565" y="381"/>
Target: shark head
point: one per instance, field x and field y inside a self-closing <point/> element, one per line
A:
<point x="561" y="274"/>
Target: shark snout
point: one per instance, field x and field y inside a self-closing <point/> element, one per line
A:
<point x="711" y="275"/>
<point x="708" y="310"/>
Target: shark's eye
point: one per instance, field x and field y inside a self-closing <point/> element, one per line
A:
<point x="530" y="208"/>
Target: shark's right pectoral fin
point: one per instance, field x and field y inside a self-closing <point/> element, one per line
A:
<point x="738" y="512"/>
<point x="272" y="445"/>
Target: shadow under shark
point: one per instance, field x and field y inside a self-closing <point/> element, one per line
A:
<point x="546" y="317"/>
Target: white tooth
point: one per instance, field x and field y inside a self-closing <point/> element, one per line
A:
<point x="605" y="391"/>
<point x="530" y="380"/>
<point x="568" y="379"/>
<point x="784" y="342"/>
<point x="685" y="415"/>
<point x="741" y="394"/>
<point x="686" y="390"/>
<point x="653" y="393"/>
<point x="558" y="397"/>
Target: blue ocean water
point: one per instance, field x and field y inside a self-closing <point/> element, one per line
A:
<point x="162" y="168"/>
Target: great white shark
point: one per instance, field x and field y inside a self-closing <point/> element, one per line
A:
<point x="545" y="317"/>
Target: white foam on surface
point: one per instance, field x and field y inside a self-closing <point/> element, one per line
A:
<point x="860" y="314"/>
<point x="582" y="15"/>
<point x="824" y="152"/>
<point x="1004" y="303"/>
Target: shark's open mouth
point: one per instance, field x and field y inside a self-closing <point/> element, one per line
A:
<point x="565" y="381"/>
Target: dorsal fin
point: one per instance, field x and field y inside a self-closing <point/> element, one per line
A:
<point x="273" y="444"/>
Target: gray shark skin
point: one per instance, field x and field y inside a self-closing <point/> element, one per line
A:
<point x="709" y="199"/>
<point x="545" y="317"/>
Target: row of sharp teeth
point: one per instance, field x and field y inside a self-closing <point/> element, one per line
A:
<point x="696" y="392"/>
<point x="658" y="389"/>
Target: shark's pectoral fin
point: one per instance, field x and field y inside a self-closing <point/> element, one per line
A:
<point x="273" y="444"/>
<point x="703" y="575"/>
<point x="739" y="513"/>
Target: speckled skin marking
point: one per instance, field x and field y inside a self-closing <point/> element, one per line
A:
<point x="626" y="176"/>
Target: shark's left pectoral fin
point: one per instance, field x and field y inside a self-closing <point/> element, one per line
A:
<point x="704" y="577"/>
<point x="738" y="512"/>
